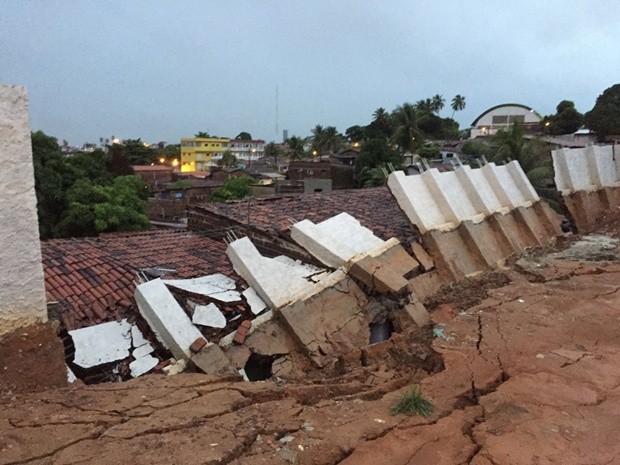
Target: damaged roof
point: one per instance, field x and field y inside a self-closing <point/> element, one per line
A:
<point x="92" y="278"/>
<point x="375" y="208"/>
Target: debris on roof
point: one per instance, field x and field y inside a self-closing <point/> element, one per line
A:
<point x="216" y="286"/>
<point x="209" y="315"/>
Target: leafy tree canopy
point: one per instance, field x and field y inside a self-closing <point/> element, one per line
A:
<point x="566" y="120"/>
<point x="243" y="136"/>
<point x="604" y="118"/>
<point x="233" y="188"/>
<point x="94" y="208"/>
<point x="375" y="153"/>
<point x="202" y="134"/>
<point x="228" y="160"/>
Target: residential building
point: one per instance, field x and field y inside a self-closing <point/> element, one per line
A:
<point x="246" y="150"/>
<point x="155" y="176"/>
<point x="340" y="175"/>
<point x="198" y="153"/>
<point x="505" y="115"/>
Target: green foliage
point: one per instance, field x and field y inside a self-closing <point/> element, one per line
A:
<point x="228" y="160"/>
<point x="355" y="133"/>
<point x="375" y="153"/>
<point x="429" y="152"/>
<point x="244" y="136"/>
<point x="202" y="134"/>
<point x="566" y="120"/>
<point x="136" y="152"/>
<point x="75" y="193"/>
<point x="407" y="135"/>
<point x="474" y="148"/>
<point x="233" y="188"/>
<point x="94" y="208"/>
<point x="413" y="403"/>
<point x="295" y="148"/>
<point x="533" y="155"/>
<point x="272" y="150"/>
<point x="458" y="104"/>
<point x="326" y="140"/>
<point x="604" y="118"/>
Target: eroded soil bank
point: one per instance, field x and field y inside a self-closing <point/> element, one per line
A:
<point x="531" y="376"/>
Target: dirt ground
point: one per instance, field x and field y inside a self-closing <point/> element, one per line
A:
<point x="531" y="376"/>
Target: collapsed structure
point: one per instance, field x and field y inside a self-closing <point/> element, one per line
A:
<point x="589" y="180"/>
<point x="471" y="219"/>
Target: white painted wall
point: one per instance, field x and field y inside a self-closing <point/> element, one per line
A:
<point x="586" y="169"/>
<point x="435" y="200"/>
<point x="22" y="287"/>
<point x="336" y="240"/>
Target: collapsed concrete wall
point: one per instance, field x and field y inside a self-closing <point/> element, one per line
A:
<point x="473" y="218"/>
<point x="22" y="288"/>
<point x="589" y="180"/>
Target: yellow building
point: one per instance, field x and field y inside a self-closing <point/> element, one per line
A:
<point x="197" y="152"/>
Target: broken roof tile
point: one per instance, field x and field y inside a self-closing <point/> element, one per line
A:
<point x="103" y="269"/>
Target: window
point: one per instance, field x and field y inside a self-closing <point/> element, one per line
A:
<point x="500" y="119"/>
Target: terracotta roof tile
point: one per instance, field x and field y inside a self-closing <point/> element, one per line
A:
<point x="93" y="278"/>
<point x="375" y="208"/>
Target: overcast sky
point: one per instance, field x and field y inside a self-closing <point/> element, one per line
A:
<point x="164" y="70"/>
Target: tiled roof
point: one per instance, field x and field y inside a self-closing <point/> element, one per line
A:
<point x="152" y="168"/>
<point x="92" y="278"/>
<point x="375" y="208"/>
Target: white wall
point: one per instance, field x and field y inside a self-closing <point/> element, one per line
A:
<point x="586" y="169"/>
<point x="434" y="200"/>
<point x="22" y="288"/>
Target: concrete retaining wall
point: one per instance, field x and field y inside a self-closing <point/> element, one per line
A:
<point x="589" y="180"/>
<point x="473" y="218"/>
<point x="434" y="200"/>
<point x="22" y="288"/>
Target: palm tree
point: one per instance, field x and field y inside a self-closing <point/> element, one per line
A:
<point x="458" y="103"/>
<point x="333" y="140"/>
<point x="318" y="138"/>
<point x="437" y="103"/>
<point x="424" y="105"/>
<point x="295" y="148"/>
<point x="406" y="133"/>
<point x="381" y="124"/>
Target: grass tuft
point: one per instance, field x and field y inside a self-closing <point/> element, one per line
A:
<point x="413" y="403"/>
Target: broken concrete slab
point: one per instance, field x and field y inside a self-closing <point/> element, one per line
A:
<point x="275" y="282"/>
<point x="211" y="360"/>
<point x="418" y="313"/>
<point x="103" y="343"/>
<point x="216" y="286"/>
<point x="142" y="365"/>
<point x="422" y="256"/>
<point x="209" y="315"/>
<point x="169" y="322"/>
<point x="335" y="240"/>
<point x="254" y="301"/>
<point x="143" y="350"/>
<point x="384" y="268"/>
<point x="329" y="323"/>
<point x="426" y="284"/>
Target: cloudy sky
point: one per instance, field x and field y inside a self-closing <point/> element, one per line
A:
<point x="162" y="70"/>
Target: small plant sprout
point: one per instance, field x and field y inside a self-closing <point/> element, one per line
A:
<point x="413" y="403"/>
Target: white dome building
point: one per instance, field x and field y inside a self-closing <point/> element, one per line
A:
<point x="503" y="116"/>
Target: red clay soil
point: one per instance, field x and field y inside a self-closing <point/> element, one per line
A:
<point x="531" y="377"/>
<point x="31" y="359"/>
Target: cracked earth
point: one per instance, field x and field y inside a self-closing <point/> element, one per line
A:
<point x="531" y="377"/>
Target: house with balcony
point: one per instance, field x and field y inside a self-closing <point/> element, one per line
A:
<point x="199" y="153"/>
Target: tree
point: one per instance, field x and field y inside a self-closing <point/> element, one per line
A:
<point x="233" y="188"/>
<point x="355" y="133"/>
<point x="137" y="152"/>
<point x="429" y="152"/>
<point x="380" y="126"/>
<point x="437" y="103"/>
<point x="119" y="164"/>
<point x="53" y="177"/>
<point x="406" y="132"/>
<point x="604" y="118"/>
<point x="244" y="136"/>
<point x="332" y="140"/>
<point x="458" y="104"/>
<point x="566" y="120"/>
<point x="533" y="155"/>
<point x="375" y="153"/>
<point x="295" y="148"/>
<point x="94" y="208"/>
<point x="272" y="150"/>
<point x="202" y="135"/>
<point x="228" y="160"/>
<point x="318" y="138"/>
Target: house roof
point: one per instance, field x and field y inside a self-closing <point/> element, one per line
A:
<point x="375" y="208"/>
<point x="152" y="168"/>
<point x="92" y="278"/>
